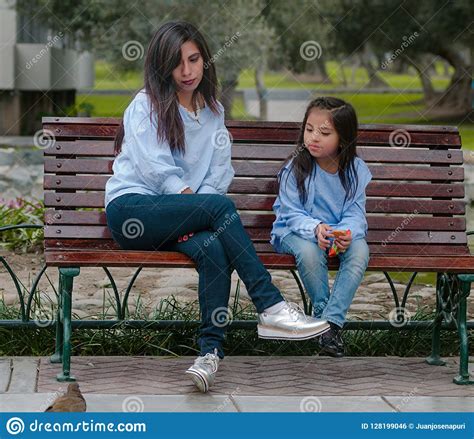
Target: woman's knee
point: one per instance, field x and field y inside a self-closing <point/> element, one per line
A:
<point x="212" y="250"/>
<point x="223" y="202"/>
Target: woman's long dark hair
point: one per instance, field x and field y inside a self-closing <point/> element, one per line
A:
<point x="344" y="120"/>
<point x="162" y="57"/>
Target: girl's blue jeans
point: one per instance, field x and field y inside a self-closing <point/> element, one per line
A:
<point x="219" y="244"/>
<point x="312" y="266"/>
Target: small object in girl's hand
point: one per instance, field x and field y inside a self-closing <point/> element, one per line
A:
<point x="333" y="250"/>
<point x="339" y="233"/>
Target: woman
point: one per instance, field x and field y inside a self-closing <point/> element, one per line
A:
<point x="172" y="171"/>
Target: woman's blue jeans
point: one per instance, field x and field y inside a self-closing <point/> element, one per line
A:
<point x="312" y="266"/>
<point x="219" y="244"/>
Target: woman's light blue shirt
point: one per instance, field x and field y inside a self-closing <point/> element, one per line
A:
<point x="147" y="165"/>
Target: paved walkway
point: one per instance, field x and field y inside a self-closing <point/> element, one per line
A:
<point x="243" y="384"/>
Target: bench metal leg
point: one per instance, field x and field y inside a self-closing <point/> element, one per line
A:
<point x="66" y="276"/>
<point x="435" y="358"/>
<point x="464" y="290"/>
<point x="57" y="357"/>
<point x="307" y="305"/>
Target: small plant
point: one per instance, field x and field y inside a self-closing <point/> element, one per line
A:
<point x="182" y="341"/>
<point x="21" y="211"/>
<point x="84" y="109"/>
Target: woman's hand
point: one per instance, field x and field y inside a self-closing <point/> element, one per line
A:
<point x="344" y="241"/>
<point x="322" y="232"/>
<point x="187" y="191"/>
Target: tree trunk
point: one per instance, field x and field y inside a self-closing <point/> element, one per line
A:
<point x="374" y="79"/>
<point x="419" y="63"/>
<point x="343" y="73"/>
<point x="227" y="96"/>
<point x="261" y="90"/>
<point x="355" y="66"/>
<point x="321" y="66"/>
<point x="457" y="96"/>
<point x="445" y="69"/>
<point x="400" y="66"/>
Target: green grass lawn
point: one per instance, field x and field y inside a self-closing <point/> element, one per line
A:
<point x="288" y="80"/>
<point x="371" y="108"/>
<point x="107" y="78"/>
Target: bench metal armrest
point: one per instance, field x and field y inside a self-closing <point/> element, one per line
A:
<point x="21" y="226"/>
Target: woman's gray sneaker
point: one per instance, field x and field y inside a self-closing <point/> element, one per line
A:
<point x="203" y="371"/>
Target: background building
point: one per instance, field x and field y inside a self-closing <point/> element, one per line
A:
<point x="39" y="72"/>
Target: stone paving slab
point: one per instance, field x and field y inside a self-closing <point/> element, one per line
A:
<point x="5" y="371"/>
<point x="432" y="404"/>
<point x="244" y="384"/>
<point x="258" y="376"/>
<point x="311" y="404"/>
<point x="21" y="381"/>
<point x="37" y="402"/>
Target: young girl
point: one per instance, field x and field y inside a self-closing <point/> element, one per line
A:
<point x="172" y="171"/>
<point x="321" y="194"/>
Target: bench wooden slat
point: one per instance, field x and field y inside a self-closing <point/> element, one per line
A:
<point x="268" y="169"/>
<point x="115" y="121"/>
<point x="393" y="249"/>
<point x="383" y="172"/>
<point x="66" y="217"/>
<point x="100" y="148"/>
<point x="278" y="132"/>
<point x="269" y="186"/>
<point x="449" y="207"/>
<point x="263" y="202"/>
<point x="261" y="234"/>
<point x="456" y="264"/>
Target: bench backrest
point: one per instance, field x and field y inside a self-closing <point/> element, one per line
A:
<point x="414" y="202"/>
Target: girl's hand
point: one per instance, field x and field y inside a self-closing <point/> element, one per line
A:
<point x="187" y="191"/>
<point x="343" y="242"/>
<point x="322" y="232"/>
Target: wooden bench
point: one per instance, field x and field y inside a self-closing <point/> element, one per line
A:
<point x="416" y="214"/>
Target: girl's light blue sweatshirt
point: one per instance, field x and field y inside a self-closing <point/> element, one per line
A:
<point x="325" y="204"/>
<point x="147" y="166"/>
